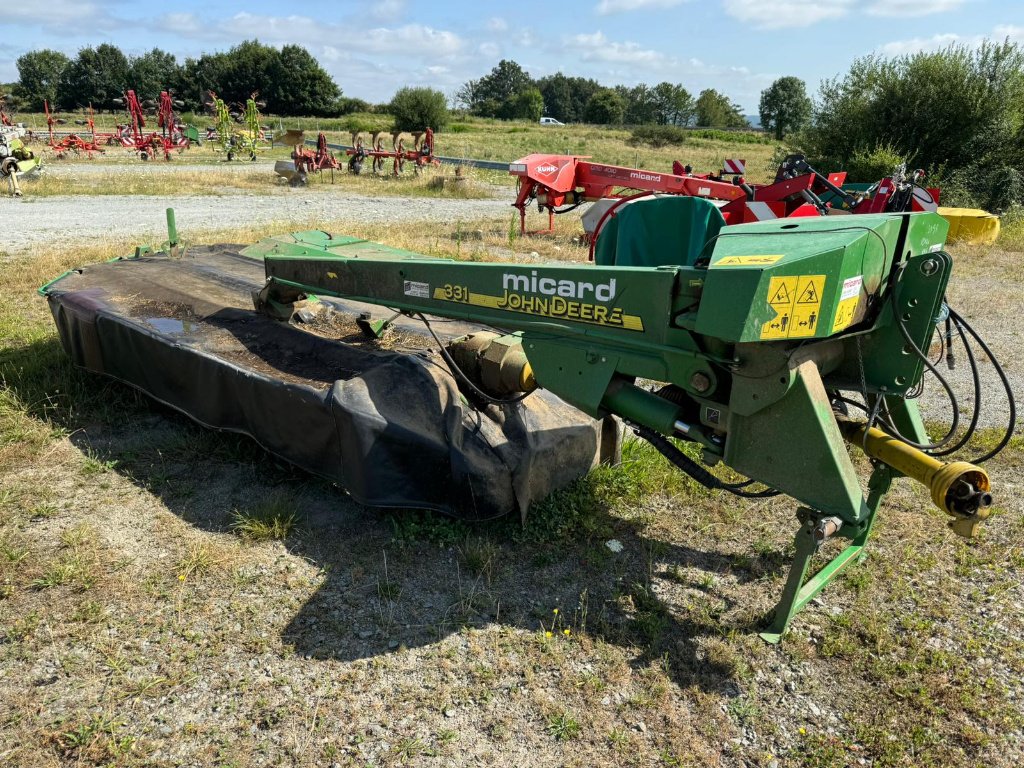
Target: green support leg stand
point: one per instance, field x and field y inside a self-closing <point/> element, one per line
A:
<point x="796" y="593"/>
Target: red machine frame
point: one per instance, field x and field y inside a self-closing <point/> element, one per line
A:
<point x="560" y="183"/>
<point x="73" y="142"/>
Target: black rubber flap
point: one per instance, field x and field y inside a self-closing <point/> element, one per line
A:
<point x="384" y="420"/>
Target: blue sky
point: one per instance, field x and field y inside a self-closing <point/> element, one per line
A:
<point x="371" y="49"/>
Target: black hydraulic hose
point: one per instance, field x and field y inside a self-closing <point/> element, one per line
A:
<point x="1012" y="403"/>
<point x="941" y="443"/>
<point x="665" y="447"/>
<point x="976" y="379"/>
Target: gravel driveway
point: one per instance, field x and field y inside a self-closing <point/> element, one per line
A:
<point x="74" y="218"/>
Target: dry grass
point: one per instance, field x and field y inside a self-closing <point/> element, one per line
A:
<point x="136" y="629"/>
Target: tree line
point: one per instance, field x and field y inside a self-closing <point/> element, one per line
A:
<point x="509" y="92"/>
<point x="289" y="79"/>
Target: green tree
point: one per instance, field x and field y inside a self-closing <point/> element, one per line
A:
<point x="525" y="105"/>
<point x="300" y="86"/>
<point x="153" y="72"/>
<point x="605" y="107"/>
<point x="715" y="110"/>
<point x="417" y="108"/>
<point x="97" y="76"/>
<point x="954" y="108"/>
<point x="785" y="106"/>
<point x="565" y="98"/>
<point x="39" y="74"/>
<point x="673" y="104"/>
<point x="249" y="67"/>
<point x="492" y="95"/>
<point x="200" y="76"/>
<point x="639" y="104"/>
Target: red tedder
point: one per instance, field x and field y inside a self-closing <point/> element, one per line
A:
<point x="72" y="142"/>
<point x="132" y="136"/>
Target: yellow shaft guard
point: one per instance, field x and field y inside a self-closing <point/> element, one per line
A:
<point x="946" y="481"/>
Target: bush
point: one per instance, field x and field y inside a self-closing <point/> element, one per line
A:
<point x="657" y="135"/>
<point x="871" y="166"/>
<point x="417" y="108"/>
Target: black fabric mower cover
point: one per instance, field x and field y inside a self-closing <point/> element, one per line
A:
<point x="384" y="420"/>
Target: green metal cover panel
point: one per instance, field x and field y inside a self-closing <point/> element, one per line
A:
<point x="786" y="279"/>
<point x="658" y="231"/>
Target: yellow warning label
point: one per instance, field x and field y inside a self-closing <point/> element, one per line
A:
<point x="782" y="291"/>
<point x="844" y="314"/>
<point x="754" y="260"/>
<point x="796" y="301"/>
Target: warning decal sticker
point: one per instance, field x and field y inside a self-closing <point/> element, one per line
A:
<point x="754" y="260"/>
<point x="796" y="302"/>
<point x="848" y="301"/>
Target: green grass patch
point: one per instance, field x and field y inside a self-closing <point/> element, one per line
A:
<point x="270" y="519"/>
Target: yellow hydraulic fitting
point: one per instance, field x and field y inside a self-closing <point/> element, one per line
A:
<point x="958" y="488"/>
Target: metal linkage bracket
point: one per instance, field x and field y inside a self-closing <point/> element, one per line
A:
<point x="815" y="529"/>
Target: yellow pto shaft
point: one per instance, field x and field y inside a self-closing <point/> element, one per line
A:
<point x="958" y="488"/>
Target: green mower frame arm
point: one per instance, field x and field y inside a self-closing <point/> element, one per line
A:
<point x="753" y="338"/>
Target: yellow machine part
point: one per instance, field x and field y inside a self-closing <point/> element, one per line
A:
<point x="944" y="480"/>
<point x="972" y="226"/>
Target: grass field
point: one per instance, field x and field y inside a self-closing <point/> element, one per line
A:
<point x="173" y="596"/>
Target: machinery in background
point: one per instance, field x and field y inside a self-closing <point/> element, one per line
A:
<point x="173" y="136"/>
<point x="777" y="349"/>
<point x="72" y="142"/>
<point x="15" y="158"/>
<point x="420" y="155"/>
<point x="306" y="160"/>
<point x="235" y="141"/>
<point x="561" y="183"/>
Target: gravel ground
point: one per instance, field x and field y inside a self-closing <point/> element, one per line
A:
<point x="93" y="168"/>
<point x="74" y="218"/>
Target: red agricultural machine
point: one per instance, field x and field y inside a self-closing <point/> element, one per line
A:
<point x="306" y="160"/>
<point x="173" y="134"/>
<point x="421" y="154"/>
<point x="72" y="142"/>
<point x="561" y="183"/>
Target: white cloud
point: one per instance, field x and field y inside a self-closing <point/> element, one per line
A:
<point x="60" y="15"/>
<point x="408" y="39"/>
<point x="906" y="8"/>
<point x="606" y="7"/>
<point x="785" y="14"/>
<point x="940" y="41"/>
<point x="497" y="24"/>
<point x="1003" y="31"/>
<point x="597" y="47"/>
<point x="384" y="10"/>
<point x="489" y="50"/>
<point x="917" y="44"/>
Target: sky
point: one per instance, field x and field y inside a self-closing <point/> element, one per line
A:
<point x="736" y="46"/>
